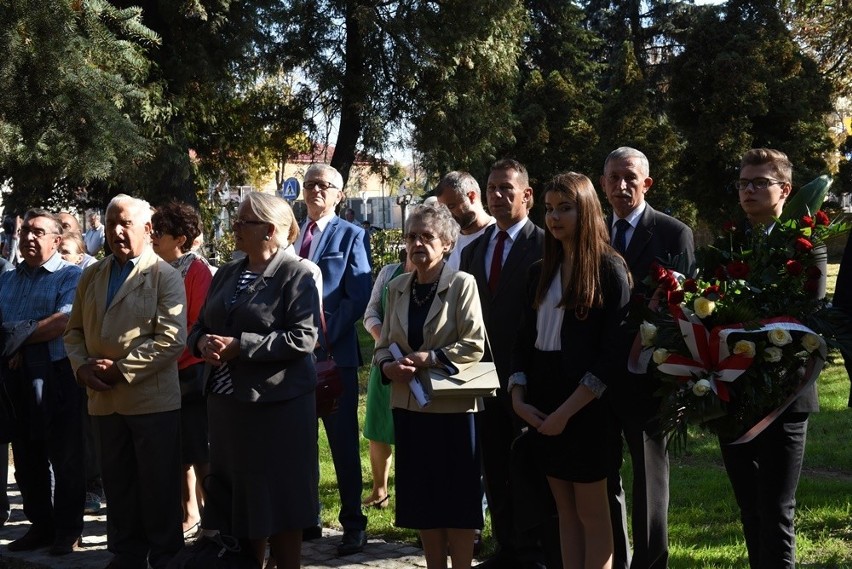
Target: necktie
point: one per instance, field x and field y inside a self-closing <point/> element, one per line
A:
<point x="305" y="251"/>
<point x="497" y="261"/>
<point x="620" y="240"/>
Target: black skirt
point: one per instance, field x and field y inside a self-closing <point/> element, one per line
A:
<point x="579" y="453"/>
<point x="437" y="470"/>
<point x="263" y="466"/>
<point x="193" y="419"/>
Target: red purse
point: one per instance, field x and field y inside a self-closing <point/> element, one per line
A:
<point x="329" y="381"/>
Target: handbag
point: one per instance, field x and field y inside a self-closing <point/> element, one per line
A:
<point x="479" y="380"/>
<point x="329" y="382"/>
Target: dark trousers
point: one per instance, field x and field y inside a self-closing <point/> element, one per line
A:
<point x="49" y="469"/>
<point x="141" y="470"/>
<point x="5" y="507"/>
<point x="764" y="474"/>
<point x="847" y="362"/>
<point x="344" y="440"/>
<point x="496" y="434"/>
<point x="518" y="534"/>
<point x="91" y="462"/>
<point x="650" y="461"/>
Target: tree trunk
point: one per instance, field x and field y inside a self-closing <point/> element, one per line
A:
<point x="353" y="94"/>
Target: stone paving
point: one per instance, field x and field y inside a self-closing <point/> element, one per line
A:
<point x="93" y="555"/>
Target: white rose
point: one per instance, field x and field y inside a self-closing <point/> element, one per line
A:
<point x="660" y="356"/>
<point x="702" y="387"/>
<point x="810" y="342"/>
<point x="704" y="307"/>
<point x="772" y="354"/>
<point x="744" y="348"/>
<point x="647" y="333"/>
<point x="780" y="337"/>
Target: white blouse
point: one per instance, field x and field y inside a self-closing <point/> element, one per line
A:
<point x="549" y="318"/>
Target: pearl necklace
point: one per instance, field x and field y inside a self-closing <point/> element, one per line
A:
<point x="429" y="294"/>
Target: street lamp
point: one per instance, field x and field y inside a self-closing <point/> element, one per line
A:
<point x="403" y="199"/>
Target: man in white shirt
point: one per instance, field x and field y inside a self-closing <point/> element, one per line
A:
<point x="499" y="260"/>
<point x="460" y="192"/>
<point x="94" y="237"/>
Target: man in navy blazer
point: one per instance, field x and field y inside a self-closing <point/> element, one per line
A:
<point x="338" y="248"/>
<point x="642" y="235"/>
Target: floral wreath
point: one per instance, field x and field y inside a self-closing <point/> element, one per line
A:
<point x="734" y="347"/>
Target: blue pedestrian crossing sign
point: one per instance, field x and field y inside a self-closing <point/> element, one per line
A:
<point x="290" y="189"/>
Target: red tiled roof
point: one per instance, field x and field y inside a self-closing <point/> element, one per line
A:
<point x="322" y="153"/>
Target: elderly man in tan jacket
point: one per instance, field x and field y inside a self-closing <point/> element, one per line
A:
<point x="125" y="333"/>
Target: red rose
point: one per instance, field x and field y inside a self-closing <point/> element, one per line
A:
<point x="669" y="282"/>
<point x="822" y="218"/>
<point x="720" y="273"/>
<point x="814" y="272"/>
<point x="811" y="287"/>
<point x="803" y="244"/>
<point x="658" y="272"/>
<point x="689" y="285"/>
<point x="712" y="292"/>
<point x="807" y="221"/>
<point x="729" y="227"/>
<point x="793" y="267"/>
<point x="738" y="269"/>
<point x="676" y="297"/>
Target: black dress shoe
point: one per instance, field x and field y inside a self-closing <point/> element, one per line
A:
<point x="353" y="542"/>
<point x="309" y="534"/>
<point x="33" y="539"/>
<point x="64" y="545"/>
<point x="500" y="560"/>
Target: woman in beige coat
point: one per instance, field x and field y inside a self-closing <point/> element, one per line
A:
<point x="434" y="320"/>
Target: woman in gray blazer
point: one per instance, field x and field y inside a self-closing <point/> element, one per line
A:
<point x="257" y="333"/>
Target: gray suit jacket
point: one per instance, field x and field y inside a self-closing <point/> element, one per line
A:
<point x="275" y="321"/>
<point x="658" y="237"/>
<point x="662" y="238"/>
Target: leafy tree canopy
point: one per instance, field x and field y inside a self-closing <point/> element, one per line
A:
<point x="742" y="82"/>
<point x="76" y="97"/>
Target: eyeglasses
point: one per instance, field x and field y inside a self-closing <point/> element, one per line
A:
<point x="36" y="232"/>
<point x="756" y="183"/>
<point x="157" y="233"/>
<point x="237" y="223"/>
<point x="422" y="237"/>
<point x="323" y="186"/>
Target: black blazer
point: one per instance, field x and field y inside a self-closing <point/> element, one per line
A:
<point x="658" y="237"/>
<point x="587" y="345"/>
<point x="276" y="322"/>
<point x="502" y="311"/>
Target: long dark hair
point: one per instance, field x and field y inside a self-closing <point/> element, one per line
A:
<point x="590" y="247"/>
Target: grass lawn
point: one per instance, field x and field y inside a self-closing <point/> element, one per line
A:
<point x="704" y="527"/>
